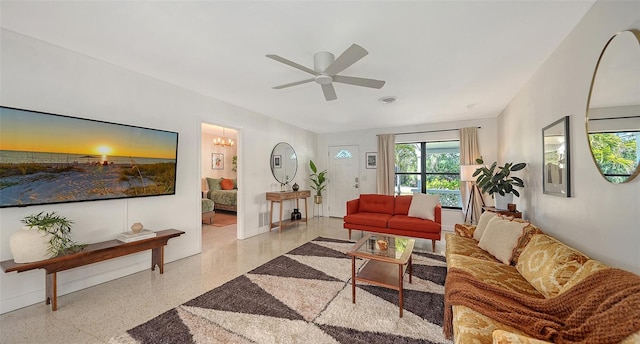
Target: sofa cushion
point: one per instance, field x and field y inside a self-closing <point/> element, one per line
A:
<point x="464" y="230"/>
<point x="587" y="269"/>
<point x="368" y="219"/>
<point x="413" y="223"/>
<point x="501" y="237"/>
<point x="482" y="224"/>
<point x="549" y="264"/>
<point x="494" y="273"/>
<point x="471" y="327"/>
<point x="403" y="202"/>
<point x="213" y="183"/>
<point x="423" y="206"/>
<point x="465" y="246"/>
<point x="372" y="203"/>
<point x="207" y="205"/>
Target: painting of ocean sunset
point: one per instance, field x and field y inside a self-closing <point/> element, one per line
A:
<point x="47" y="158"/>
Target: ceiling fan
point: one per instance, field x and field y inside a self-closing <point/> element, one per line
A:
<point x="326" y="68"/>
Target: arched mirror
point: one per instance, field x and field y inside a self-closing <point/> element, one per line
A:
<point x="284" y="163"/>
<point x="613" y="109"/>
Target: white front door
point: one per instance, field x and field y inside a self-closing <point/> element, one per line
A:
<point x="344" y="180"/>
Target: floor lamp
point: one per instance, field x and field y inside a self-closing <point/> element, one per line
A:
<point x="466" y="175"/>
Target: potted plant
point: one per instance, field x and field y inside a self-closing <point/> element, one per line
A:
<point x="45" y="235"/>
<point x="498" y="180"/>
<point x="319" y="181"/>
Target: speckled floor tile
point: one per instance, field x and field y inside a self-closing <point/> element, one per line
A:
<point x="98" y="313"/>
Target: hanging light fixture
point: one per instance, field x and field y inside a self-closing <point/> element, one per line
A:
<point x="223" y="141"/>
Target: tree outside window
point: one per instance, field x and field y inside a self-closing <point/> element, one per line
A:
<point x="435" y="163"/>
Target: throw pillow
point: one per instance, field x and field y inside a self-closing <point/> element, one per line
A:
<point x="501" y="237"/>
<point x="529" y="231"/>
<point x="214" y="184"/>
<point x="423" y="206"/>
<point x="226" y="184"/>
<point x="482" y="224"/>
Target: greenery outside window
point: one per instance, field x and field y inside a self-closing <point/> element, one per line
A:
<point x="429" y="167"/>
<point x="616" y="153"/>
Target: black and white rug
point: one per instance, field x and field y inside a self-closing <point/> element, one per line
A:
<point x="304" y="296"/>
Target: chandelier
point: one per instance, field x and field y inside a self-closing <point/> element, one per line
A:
<point x="223" y="141"/>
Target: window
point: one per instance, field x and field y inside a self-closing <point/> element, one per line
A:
<point x="435" y="163"/>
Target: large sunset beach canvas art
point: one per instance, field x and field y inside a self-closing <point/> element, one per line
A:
<point x="47" y="158"/>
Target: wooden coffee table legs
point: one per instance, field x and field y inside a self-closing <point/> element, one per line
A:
<point x="374" y="280"/>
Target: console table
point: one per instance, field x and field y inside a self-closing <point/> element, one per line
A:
<point x="279" y="197"/>
<point x="94" y="253"/>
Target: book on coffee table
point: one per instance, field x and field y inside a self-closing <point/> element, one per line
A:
<point x="131" y="236"/>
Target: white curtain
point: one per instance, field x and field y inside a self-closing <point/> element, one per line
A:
<point x="469" y="152"/>
<point x="385" y="170"/>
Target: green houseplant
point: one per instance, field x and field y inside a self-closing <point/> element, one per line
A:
<point x="59" y="230"/>
<point x="319" y="181"/>
<point x="498" y="179"/>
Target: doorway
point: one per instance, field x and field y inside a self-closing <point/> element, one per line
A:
<point x="344" y="180"/>
<point x="219" y="183"/>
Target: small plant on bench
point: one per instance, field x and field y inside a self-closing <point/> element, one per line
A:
<point x="59" y="228"/>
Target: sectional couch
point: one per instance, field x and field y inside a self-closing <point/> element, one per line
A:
<point x="390" y="215"/>
<point x="515" y="258"/>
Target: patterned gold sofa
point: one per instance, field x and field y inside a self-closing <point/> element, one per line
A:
<point x="539" y="266"/>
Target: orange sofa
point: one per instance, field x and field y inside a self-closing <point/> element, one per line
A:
<point x="388" y="214"/>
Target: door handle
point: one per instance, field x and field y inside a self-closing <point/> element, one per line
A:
<point x="355" y="186"/>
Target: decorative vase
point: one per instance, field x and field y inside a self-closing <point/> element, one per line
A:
<point x="137" y="227"/>
<point x="296" y="215"/>
<point x="295" y="187"/>
<point x="502" y="201"/>
<point x="317" y="199"/>
<point x="30" y="245"/>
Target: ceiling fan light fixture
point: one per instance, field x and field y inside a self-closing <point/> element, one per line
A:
<point x="324" y="79"/>
<point x="388" y="99"/>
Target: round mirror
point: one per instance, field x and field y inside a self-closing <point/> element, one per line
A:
<point x="613" y="109"/>
<point x="284" y="163"/>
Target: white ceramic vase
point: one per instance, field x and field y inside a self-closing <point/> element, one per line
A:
<point x="502" y="201"/>
<point x="30" y="245"/>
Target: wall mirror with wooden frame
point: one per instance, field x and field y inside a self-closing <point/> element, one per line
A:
<point x="613" y="109"/>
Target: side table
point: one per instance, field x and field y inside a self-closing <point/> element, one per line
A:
<point x="517" y="214"/>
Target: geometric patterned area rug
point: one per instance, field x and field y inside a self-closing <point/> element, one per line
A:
<point x="304" y="296"/>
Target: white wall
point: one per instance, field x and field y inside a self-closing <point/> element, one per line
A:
<point x="600" y="219"/>
<point x="368" y="142"/>
<point x="42" y="77"/>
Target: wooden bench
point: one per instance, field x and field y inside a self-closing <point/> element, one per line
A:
<point x="94" y="253"/>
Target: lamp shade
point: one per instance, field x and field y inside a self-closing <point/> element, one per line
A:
<point x="467" y="171"/>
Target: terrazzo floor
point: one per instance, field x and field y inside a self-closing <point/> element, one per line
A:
<point x="98" y="313"/>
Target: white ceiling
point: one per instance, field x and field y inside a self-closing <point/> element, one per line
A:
<point x="445" y="60"/>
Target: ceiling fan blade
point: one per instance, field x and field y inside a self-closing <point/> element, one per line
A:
<point x="293" y="84"/>
<point x="329" y="92"/>
<point x="348" y="57"/>
<point x="292" y="64"/>
<point x="352" y="80"/>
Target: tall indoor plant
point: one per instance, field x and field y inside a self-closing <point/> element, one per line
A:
<point x="319" y="181"/>
<point x="498" y="180"/>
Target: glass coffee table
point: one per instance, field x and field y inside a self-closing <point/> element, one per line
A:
<point x="388" y="258"/>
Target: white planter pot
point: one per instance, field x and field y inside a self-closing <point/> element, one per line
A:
<point x="30" y="245"/>
<point x="502" y="201"/>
